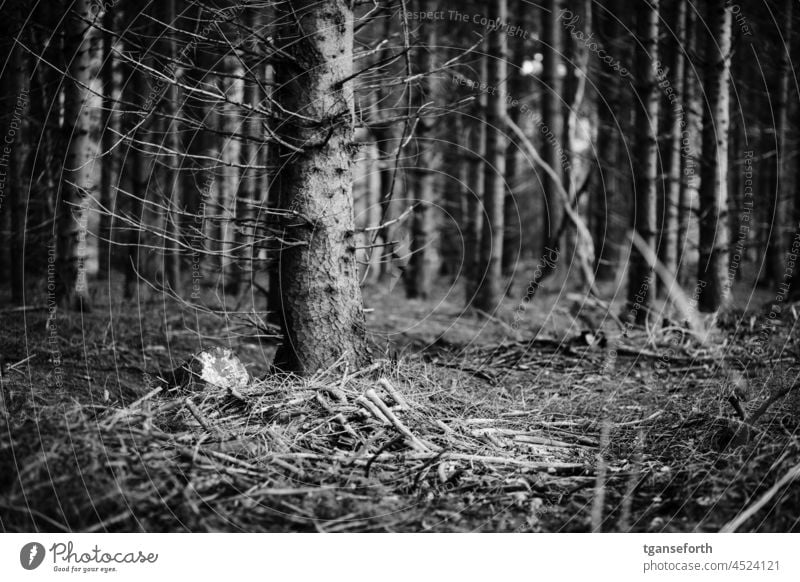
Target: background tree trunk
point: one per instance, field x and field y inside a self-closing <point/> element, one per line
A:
<point x="490" y="286"/>
<point x="713" y="265"/>
<point x="672" y="163"/>
<point x="641" y="282"/>
<point x="552" y="128"/>
<point x="518" y="89"/>
<point x="175" y="202"/>
<point x="689" y="137"/>
<point x="82" y="117"/>
<point x="475" y="185"/>
<point x="610" y="202"/>
<point x="782" y="202"/>
<point x="16" y="148"/>
<point x="421" y="269"/>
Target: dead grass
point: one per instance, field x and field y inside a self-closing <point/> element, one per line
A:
<point x="469" y="435"/>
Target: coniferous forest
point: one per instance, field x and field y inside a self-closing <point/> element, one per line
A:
<point x="399" y="266"/>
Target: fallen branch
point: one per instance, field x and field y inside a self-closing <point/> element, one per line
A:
<point x="401" y="428"/>
<point x="396" y="396"/>
<point x="739" y="520"/>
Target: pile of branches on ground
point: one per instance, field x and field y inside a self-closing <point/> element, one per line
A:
<point x="371" y="450"/>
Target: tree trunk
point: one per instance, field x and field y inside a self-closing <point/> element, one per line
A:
<point x="253" y="154"/>
<point x="552" y="129"/>
<point x="689" y="137"/>
<point x="175" y="200"/>
<point x="474" y="186"/>
<point x="713" y="265"/>
<point x="230" y="269"/>
<point x="518" y="88"/>
<point x="321" y="307"/>
<point x="677" y="120"/>
<point x="641" y="282"/>
<point x="110" y="127"/>
<point x="16" y="149"/>
<point x="782" y="202"/>
<point x="82" y="116"/>
<point x="421" y="268"/>
<point x="610" y="202"/>
<point x="490" y="286"/>
<point x="138" y="178"/>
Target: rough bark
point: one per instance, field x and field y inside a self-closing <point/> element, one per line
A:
<point x="714" y="233"/>
<point x="641" y="279"/>
<point x="490" y="286"/>
<point x="321" y="307"/>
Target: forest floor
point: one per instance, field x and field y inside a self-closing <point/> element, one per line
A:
<point x="558" y="422"/>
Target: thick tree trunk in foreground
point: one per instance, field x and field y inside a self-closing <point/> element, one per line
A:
<point x="713" y="266"/>
<point x="82" y="117"/>
<point x="641" y="280"/>
<point x="321" y="306"/>
<point x="490" y="285"/>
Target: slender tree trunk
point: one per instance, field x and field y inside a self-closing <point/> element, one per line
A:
<point x="421" y="268"/>
<point x="82" y="115"/>
<point x="689" y="137"/>
<point x="677" y="120"/>
<point x="552" y="129"/>
<point x="713" y="265"/>
<point x="641" y="282"/>
<point x="490" y="285"/>
<point x="610" y="202"/>
<point x="138" y="179"/>
<point x="230" y="270"/>
<point x="109" y="124"/>
<point x="212" y="185"/>
<point x="782" y="202"/>
<point x="512" y="237"/>
<point x="175" y="202"/>
<point x="252" y="155"/>
<point x="475" y="185"/>
<point x="16" y="149"/>
<point x="386" y="142"/>
<point x="321" y="306"/>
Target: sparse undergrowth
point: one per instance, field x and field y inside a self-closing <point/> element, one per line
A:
<point x="512" y="436"/>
